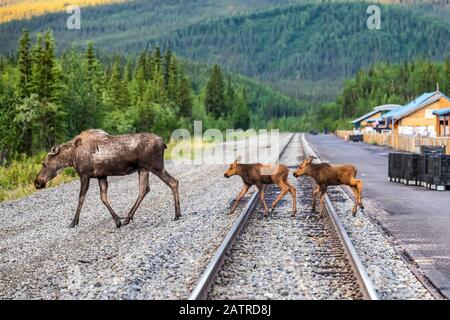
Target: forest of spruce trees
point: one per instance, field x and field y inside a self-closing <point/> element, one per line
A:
<point x="45" y="99"/>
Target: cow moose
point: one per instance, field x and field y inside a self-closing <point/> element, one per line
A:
<point x="260" y="175"/>
<point x="96" y="154"/>
<point x="326" y="175"/>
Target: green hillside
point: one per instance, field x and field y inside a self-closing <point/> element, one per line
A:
<point x="301" y="49"/>
<point x="305" y="48"/>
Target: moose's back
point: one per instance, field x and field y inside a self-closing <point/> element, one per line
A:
<point x="109" y="155"/>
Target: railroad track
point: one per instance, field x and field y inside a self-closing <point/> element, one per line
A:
<point x="313" y="257"/>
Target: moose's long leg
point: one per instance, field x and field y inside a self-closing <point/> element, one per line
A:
<point x="315" y="193"/>
<point x="84" y="186"/>
<point x="262" y="198"/>
<point x="144" y="188"/>
<point x="284" y="189"/>
<point x="103" y="183"/>
<point x="359" y="187"/>
<point x="173" y="184"/>
<point x="323" y="192"/>
<point x="293" y="193"/>
<point x="356" y="186"/>
<point x="241" y="194"/>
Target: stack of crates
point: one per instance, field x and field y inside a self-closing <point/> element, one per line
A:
<point x="396" y="164"/>
<point x="430" y="169"/>
<point x="410" y="169"/>
<point x="441" y="172"/>
<point x="356" y="137"/>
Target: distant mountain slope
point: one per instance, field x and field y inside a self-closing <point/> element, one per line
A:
<point x="306" y="50"/>
<point x="24" y="9"/>
<point x="128" y="20"/>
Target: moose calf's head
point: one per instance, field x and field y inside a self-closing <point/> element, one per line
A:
<point x="59" y="157"/>
<point x="232" y="169"/>
<point x="303" y="166"/>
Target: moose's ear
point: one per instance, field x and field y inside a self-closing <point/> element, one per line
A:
<point x="238" y="159"/>
<point x="77" y="142"/>
<point x="54" y="151"/>
<point x="311" y="159"/>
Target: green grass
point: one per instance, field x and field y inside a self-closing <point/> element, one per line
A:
<point x="17" y="176"/>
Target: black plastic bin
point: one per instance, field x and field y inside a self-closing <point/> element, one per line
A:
<point x="356" y="137"/>
<point x="396" y="166"/>
<point x="421" y="170"/>
<point x="432" y="150"/>
<point x="441" y="172"/>
<point x="411" y="169"/>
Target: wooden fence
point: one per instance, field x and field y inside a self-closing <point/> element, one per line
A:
<point x="403" y="142"/>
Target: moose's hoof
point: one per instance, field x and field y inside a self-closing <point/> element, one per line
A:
<point x="125" y="222"/>
<point x="271" y="210"/>
<point x="73" y="224"/>
<point x="293" y="214"/>
<point x="230" y="212"/>
<point x="118" y="224"/>
<point x="176" y="218"/>
<point x="361" y="206"/>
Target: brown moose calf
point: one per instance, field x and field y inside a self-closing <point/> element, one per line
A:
<point x="260" y="175"/>
<point x="326" y="175"/>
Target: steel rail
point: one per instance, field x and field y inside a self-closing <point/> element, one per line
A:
<point x="205" y="281"/>
<point x="366" y="285"/>
<point x="407" y="259"/>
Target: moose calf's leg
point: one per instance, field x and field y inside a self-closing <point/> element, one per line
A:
<point x="315" y="193"/>
<point x="144" y="188"/>
<point x="103" y="183"/>
<point x="359" y="186"/>
<point x="84" y="182"/>
<point x="263" y="199"/>
<point x="356" y="186"/>
<point x="173" y="184"/>
<point x="284" y="189"/>
<point x="322" y="202"/>
<point x="241" y="194"/>
<point x="293" y="193"/>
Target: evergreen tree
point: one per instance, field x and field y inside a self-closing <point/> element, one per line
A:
<point x="184" y="100"/>
<point x="241" y="112"/>
<point x="215" y="96"/>
<point x="230" y="98"/>
<point x="24" y="65"/>
<point x="37" y="73"/>
<point x="167" y="65"/>
<point x="172" y="79"/>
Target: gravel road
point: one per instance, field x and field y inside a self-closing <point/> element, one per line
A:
<point x="152" y="258"/>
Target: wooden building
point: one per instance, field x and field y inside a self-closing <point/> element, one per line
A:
<point x="417" y="117"/>
<point x="371" y="121"/>
<point x="442" y="122"/>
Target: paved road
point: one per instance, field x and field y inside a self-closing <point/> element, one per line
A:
<point x="418" y="218"/>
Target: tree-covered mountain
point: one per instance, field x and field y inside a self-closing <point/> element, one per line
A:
<point x="306" y="50"/>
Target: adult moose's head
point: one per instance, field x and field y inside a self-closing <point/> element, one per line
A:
<point x="60" y="156"/>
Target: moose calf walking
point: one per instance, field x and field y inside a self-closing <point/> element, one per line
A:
<point x="326" y="175"/>
<point x="96" y="154"/>
<point x="260" y="175"/>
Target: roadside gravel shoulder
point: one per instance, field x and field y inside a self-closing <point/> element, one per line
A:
<point x="152" y="258"/>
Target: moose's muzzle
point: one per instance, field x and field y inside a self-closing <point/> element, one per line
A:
<point x="39" y="184"/>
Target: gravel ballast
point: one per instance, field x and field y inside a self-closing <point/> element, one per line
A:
<point x="281" y="257"/>
<point x="152" y="258"/>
